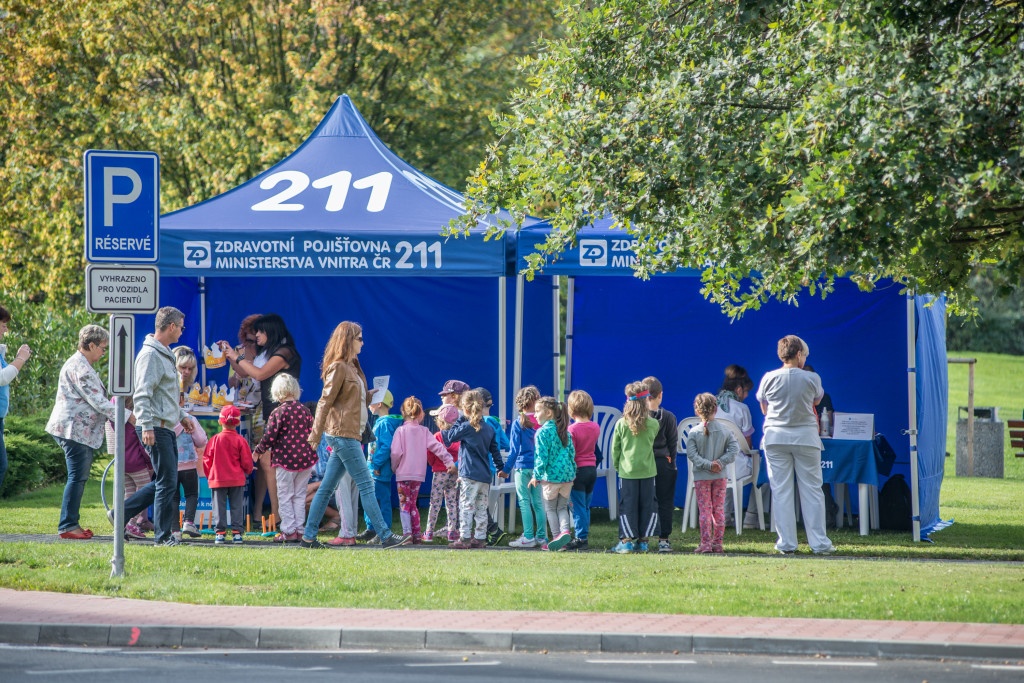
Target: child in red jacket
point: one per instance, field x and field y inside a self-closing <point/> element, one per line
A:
<point x="227" y="461"/>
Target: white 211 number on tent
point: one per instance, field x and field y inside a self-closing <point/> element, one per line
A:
<point x="339" y="183"/>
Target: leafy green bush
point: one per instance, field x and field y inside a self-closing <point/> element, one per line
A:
<point x="999" y="327"/>
<point x="34" y="458"/>
<point x="53" y="336"/>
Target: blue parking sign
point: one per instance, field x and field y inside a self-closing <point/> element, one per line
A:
<point x="122" y="207"/>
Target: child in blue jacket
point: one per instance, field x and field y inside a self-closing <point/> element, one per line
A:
<point x="520" y="464"/>
<point x="379" y="461"/>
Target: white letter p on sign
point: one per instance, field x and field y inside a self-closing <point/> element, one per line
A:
<point x="109" y="198"/>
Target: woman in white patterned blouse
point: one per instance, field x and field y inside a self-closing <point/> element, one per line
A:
<point x="79" y="413"/>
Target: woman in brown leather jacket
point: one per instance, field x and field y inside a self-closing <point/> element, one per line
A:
<point x="340" y="418"/>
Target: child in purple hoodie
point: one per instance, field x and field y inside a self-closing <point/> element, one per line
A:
<point x="138" y="469"/>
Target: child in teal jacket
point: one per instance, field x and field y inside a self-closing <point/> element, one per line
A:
<point x="554" y="467"/>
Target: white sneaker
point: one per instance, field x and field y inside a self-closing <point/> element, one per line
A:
<point x="523" y="542"/>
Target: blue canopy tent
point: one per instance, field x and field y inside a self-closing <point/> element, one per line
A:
<point x="864" y="344"/>
<point x="343" y="229"/>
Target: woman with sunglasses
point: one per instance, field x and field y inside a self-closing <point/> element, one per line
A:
<point x="76" y="423"/>
<point x="340" y="420"/>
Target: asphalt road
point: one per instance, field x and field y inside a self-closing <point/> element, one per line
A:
<point x="111" y="665"/>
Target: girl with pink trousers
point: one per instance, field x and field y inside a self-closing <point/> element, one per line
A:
<point x="409" y="448"/>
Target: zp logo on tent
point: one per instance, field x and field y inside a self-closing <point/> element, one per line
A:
<point x="593" y="252"/>
<point x="197" y="254"/>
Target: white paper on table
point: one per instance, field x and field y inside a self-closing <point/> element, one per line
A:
<point x="853" y="426"/>
<point x="380" y="385"/>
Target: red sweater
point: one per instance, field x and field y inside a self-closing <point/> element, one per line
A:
<point x="436" y="464"/>
<point x="227" y="460"/>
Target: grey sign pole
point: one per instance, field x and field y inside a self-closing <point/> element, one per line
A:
<point x="117" y="561"/>
<point x="120" y="381"/>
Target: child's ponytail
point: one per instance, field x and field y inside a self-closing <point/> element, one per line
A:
<point x="705" y="405"/>
<point x="635" y="412"/>
<point x="472" y="404"/>
<point x="560" y="414"/>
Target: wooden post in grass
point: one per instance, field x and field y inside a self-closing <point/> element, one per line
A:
<point x="970" y="410"/>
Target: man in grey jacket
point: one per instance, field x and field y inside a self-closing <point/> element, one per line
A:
<point x="157" y="411"/>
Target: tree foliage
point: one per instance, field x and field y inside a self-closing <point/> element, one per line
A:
<point x="222" y="89"/>
<point x="794" y="141"/>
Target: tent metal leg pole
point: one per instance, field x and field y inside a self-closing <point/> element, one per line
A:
<point x="569" y="312"/>
<point x="202" y="324"/>
<point x="912" y="396"/>
<point x="502" y="349"/>
<point x="517" y="373"/>
<point x="556" y="337"/>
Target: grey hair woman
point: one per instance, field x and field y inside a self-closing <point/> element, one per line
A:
<point x="80" y="410"/>
<point x="792" y="446"/>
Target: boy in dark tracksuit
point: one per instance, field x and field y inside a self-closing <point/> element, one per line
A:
<point x="666" y="445"/>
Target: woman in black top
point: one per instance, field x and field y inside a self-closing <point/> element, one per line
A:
<point x="274" y="339"/>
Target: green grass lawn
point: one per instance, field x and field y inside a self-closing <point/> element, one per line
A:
<point x="882" y="576"/>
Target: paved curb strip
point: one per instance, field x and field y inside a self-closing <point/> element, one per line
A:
<point x="299" y="638"/>
<point x="279" y="638"/>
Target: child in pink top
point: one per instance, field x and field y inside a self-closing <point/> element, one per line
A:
<point x="584" y="432"/>
<point x="445" y="486"/>
<point x="409" y="448"/>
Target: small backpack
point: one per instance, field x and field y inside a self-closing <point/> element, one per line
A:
<point x="894" y="505"/>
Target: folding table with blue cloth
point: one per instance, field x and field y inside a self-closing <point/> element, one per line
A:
<point x="846" y="462"/>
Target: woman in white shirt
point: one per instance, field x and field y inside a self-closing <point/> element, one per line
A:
<point x="792" y="445"/>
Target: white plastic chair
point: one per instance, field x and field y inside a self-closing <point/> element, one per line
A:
<point x="606" y="417"/>
<point x="737" y="486"/>
<point x="690" y="503"/>
<point x="732" y="484"/>
<point x="502" y="496"/>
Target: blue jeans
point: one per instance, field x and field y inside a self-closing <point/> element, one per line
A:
<point x="79" y="460"/>
<point x="346" y="456"/>
<point x="579" y="500"/>
<point x="382" y="492"/>
<point x="3" y="455"/>
<point x="162" y="492"/>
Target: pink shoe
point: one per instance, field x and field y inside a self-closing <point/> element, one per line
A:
<point x="133" y="530"/>
<point x="701" y="549"/>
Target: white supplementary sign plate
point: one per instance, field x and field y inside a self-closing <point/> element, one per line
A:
<point x="854" y="426"/>
<point x="122" y="289"/>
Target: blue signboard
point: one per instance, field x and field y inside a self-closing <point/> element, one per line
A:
<point x="122" y="207"/>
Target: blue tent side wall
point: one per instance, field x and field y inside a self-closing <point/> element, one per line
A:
<point x="932" y="407"/>
<point x="626" y="329"/>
